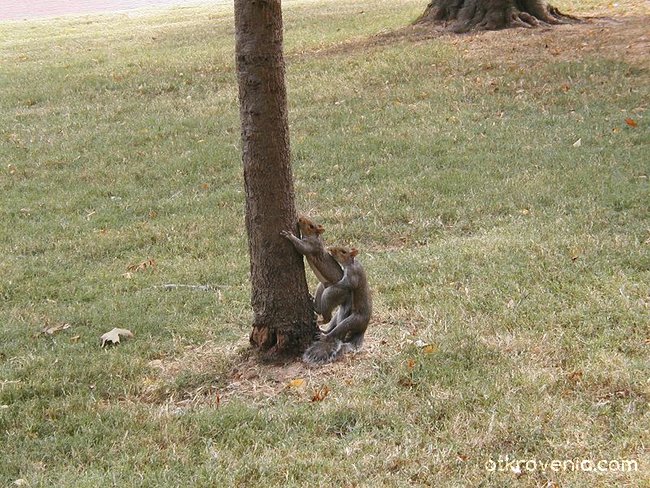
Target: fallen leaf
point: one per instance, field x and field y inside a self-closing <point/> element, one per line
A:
<point x="406" y="382"/>
<point x="53" y="329"/>
<point x="113" y="336"/>
<point x="148" y="264"/>
<point x="297" y="383"/>
<point x="575" y="376"/>
<point x="631" y="122"/>
<point x="429" y="348"/>
<point x="410" y="363"/>
<point x="320" y="394"/>
<point x="578" y="143"/>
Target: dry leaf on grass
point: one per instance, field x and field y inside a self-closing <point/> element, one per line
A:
<point x="320" y="394"/>
<point x="297" y="383"/>
<point x="575" y="377"/>
<point x="406" y="382"/>
<point x="113" y="336"/>
<point x="148" y="264"/>
<point x="217" y="399"/>
<point x="425" y="347"/>
<point x="53" y="329"/>
<point x="429" y="349"/>
<point x="631" y="122"/>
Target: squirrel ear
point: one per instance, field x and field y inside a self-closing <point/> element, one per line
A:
<point x="354" y="251"/>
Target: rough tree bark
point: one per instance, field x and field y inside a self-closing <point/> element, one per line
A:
<point x="284" y="321"/>
<point x="466" y="15"/>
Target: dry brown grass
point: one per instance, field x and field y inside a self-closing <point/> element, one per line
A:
<point x="244" y="377"/>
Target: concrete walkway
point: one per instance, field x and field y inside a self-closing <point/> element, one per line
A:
<point x="33" y="9"/>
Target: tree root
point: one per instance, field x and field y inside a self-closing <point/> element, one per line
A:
<point x="468" y="15"/>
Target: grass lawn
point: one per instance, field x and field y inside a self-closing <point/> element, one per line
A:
<point x="496" y="184"/>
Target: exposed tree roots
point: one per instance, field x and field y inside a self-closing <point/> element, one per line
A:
<point x="467" y="15"/>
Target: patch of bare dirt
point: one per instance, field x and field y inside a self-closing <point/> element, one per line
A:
<point x="624" y="38"/>
<point x="246" y="378"/>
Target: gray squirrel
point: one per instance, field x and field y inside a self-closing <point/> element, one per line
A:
<point x="347" y="328"/>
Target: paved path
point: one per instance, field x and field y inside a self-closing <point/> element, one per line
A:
<point x="33" y="9"/>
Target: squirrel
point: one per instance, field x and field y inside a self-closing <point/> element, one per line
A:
<point x="324" y="266"/>
<point x="347" y="328"/>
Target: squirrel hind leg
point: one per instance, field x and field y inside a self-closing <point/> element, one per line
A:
<point x="356" y="342"/>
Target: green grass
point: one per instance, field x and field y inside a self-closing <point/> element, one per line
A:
<point x="523" y="259"/>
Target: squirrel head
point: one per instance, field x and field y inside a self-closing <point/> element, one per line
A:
<point x="308" y="227"/>
<point x="342" y="254"/>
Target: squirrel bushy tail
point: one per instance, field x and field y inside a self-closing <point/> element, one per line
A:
<point x="326" y="351"/>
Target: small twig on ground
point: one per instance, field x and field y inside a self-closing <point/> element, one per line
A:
<point x="174" y="286"/>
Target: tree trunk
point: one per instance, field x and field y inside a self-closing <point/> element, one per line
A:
<point x="284" y="321"/>
<point x="466" y="15"/>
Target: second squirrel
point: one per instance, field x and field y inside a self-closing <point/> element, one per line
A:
<point x="347" y="328"/>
